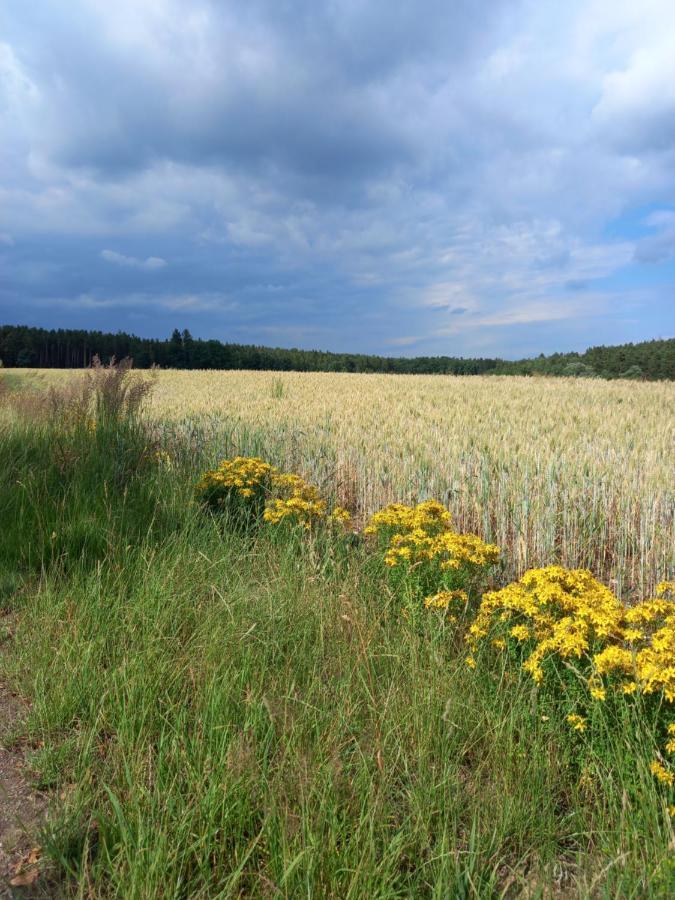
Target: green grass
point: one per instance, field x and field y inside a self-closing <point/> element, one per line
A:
<point x="219" y="713"/>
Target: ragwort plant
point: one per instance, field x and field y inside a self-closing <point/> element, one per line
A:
<point x="254" y="491"/>
<point x="430" y="563"/>
<point x="594" y="660"/>
<point x="238" y="487"/>
<point x="552" y="615"/>
<point x="299" y="503"/>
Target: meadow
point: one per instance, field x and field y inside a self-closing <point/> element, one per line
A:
<point x="233" y="690"/>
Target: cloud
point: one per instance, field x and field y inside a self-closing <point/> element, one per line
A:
<point x="405" y="341"/>
<point x="659" y="247"/>
<point x="151" y="263"/>
<point x="636" y="110"/>
<point x="480" y="168"/>
<point x="243" y="88"/>
<point x="142" y="301"/>
<point x="661" y="218"/>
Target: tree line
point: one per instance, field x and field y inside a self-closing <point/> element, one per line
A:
<point x="22" y="346"/>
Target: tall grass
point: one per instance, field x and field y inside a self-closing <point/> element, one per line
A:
<point x="77" y="471"/>
<point x="226" y="721"/>
<point x="223" y="714"/>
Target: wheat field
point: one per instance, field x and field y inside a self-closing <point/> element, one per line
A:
<point x="569" y="470"/>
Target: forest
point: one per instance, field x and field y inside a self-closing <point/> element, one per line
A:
<point x="24" y="347"/>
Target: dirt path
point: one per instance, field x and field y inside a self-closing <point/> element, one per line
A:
<point x="21" y="812"/>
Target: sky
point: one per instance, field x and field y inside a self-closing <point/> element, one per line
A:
<point x="458" y="177"/>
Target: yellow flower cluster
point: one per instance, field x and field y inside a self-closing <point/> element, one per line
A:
<point x="670" y="746"/>
<point x="447" y="600"/>
<point x="431" y="517"/>
<point x="341" y="516"/>
<point x="287" y="496"/>
<point x="662" y="774"/>
<point x="643" y="656"/>
<point x="299" y="502"/>
<point x="564" y="612"/>
<point x="570" y="615"/>
<point x="443" y="599"/>
<point x="243" y="476"/>
<point x="578" y="723"/>
<point x="424" y="533"/>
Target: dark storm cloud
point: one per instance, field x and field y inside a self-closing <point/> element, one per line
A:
<point x="291" y="86"/>
<point x="347" y="174"/>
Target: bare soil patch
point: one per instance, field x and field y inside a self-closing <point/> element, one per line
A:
<point x="22" y="810"/>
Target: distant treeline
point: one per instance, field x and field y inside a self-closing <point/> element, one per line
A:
<point x="21" y="346"/>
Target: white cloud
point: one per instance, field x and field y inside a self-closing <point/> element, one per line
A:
<point x="206" y="302"/>
<point x="406" y="341"/>
<point x="151" y="263"/>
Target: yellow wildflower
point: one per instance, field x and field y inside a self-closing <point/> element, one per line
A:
<point x="670" y="743"/>
<point x="424" y="533"/>
<point x="242" y="476"/>
<point x="342" y="516"/>
<point x="650" y="658"/>
<point x="520" y="632"/>
<point x="566" y="611"/>
<point x="661" y="773"/>
<point x="443" y="599"/>
<point x="578" y="723"/>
